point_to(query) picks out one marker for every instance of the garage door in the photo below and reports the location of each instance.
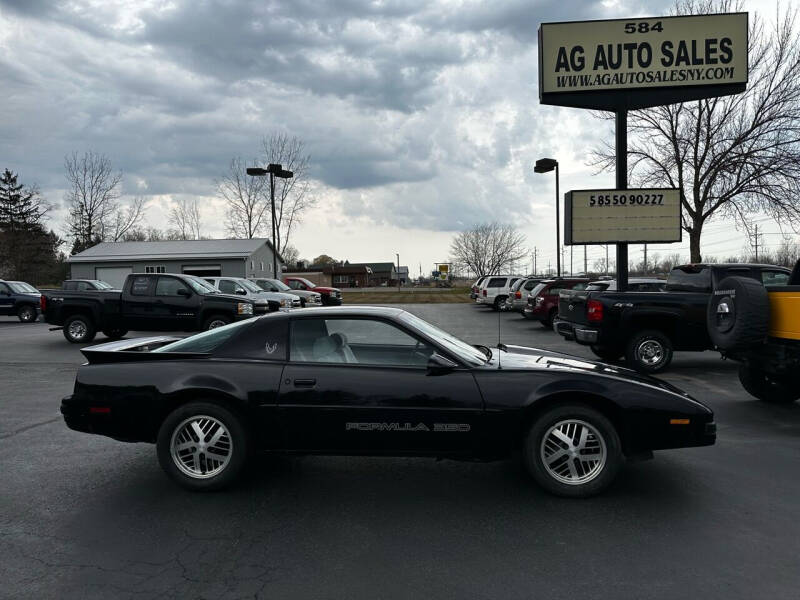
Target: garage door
(113, 275)
(203, 270)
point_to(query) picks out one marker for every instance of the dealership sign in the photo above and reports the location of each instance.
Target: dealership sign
(630, 216)
(635, 63)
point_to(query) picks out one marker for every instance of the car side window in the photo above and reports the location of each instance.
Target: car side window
(357, 342)
(169, 286)
(4, 288)
(83, 286)
(141, 286)
(774, 278)
(69, 286)
(496, 282)
(553, 291)
(226, 286)
(530, 285)
(579, 286)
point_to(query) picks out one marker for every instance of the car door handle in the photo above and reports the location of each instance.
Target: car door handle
(305, 382)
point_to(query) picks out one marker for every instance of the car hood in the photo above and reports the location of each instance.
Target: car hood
(234, 297)
(325, 290)
(278, 296)
(536, 359)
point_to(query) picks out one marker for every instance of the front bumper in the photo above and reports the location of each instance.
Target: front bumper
(328, 300)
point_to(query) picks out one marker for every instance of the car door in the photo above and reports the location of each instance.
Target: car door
(138, 310)
(362, 385)
(6, 299)
(175, 305)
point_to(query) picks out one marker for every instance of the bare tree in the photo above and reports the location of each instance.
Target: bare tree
(731, 156)
(247, 207)
(488, 249)
(290, 255)
(92, 193)
(185, 217)
(292, 197)
(124, 220)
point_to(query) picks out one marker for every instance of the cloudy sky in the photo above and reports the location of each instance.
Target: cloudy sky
(421, 117)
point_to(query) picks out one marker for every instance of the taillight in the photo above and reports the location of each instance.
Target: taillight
(517, 295)
(484, 292)
(594, 311)
(42, 302)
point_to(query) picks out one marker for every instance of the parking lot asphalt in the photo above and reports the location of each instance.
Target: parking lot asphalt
(83, 516)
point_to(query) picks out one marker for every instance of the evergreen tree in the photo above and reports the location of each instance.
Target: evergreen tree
(20, 207)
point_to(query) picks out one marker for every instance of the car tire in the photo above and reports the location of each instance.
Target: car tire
(187, 462)
(649, 352)
(566, 475)
(498, 302)
(302, 302)
(27, 313)
(607, 353)
(114, 334)
(737, 317)
(215, 321)
(79, 329)
(759, 385)
(551, 316)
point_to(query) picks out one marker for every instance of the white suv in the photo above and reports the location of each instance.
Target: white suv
(495, 289)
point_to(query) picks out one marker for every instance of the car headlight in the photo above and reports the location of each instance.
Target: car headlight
(283, 302)
(244, 308)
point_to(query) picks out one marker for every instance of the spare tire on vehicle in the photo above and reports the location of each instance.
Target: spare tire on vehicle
(738, 314)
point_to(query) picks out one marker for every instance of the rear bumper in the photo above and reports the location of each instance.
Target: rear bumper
(99, 418)
(578, 333)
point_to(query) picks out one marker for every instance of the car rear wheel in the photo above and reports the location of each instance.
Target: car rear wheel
(498, 302)
(215, 321)
(114, 334)
(27, 314)
(573, 451)
(79, 329)
(551, 316)
(649, 352)
(769, 389)
(202, 446)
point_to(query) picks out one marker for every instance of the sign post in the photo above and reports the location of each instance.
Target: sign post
(627, 64)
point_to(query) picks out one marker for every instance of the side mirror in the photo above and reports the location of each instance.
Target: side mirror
(183, 292)
(438, 363)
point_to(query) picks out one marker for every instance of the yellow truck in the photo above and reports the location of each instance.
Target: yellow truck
(758, 324)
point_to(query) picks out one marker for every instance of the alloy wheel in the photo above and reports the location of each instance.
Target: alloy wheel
(27, 314)
(201, 447)
(216, 323)
(573, 452)
(77, 330)
(650, 352)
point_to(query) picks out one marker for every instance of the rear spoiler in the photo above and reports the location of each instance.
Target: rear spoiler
(135, 350)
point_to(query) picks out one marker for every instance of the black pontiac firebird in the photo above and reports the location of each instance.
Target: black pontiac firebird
(374, 381)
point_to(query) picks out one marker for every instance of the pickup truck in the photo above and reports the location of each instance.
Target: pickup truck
(147, 302)
(20, 299)
(646, 327)
(759, 326)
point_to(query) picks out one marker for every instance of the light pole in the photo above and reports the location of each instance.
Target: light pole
(545, 165)
(274, 170)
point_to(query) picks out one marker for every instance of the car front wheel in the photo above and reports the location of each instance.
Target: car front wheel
(202, 446)
(215, 321)
(573, 451)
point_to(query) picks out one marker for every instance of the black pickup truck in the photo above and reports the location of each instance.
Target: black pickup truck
(646, 327)
(147, 302)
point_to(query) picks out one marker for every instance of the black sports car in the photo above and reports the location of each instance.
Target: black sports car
(374, 381)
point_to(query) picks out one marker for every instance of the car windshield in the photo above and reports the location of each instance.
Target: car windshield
(306, 282)
(280, 285)
(597, 286)
(200, 286)
(249, 286)
(469, 354)
(21, 287)
(204, 342)
(102, 285)
(537, 290)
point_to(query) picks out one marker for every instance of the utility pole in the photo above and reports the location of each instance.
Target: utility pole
(755, 236)
(535, 251)
(645, 259)
(563, 250)
(585, 263)
(548, 267)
